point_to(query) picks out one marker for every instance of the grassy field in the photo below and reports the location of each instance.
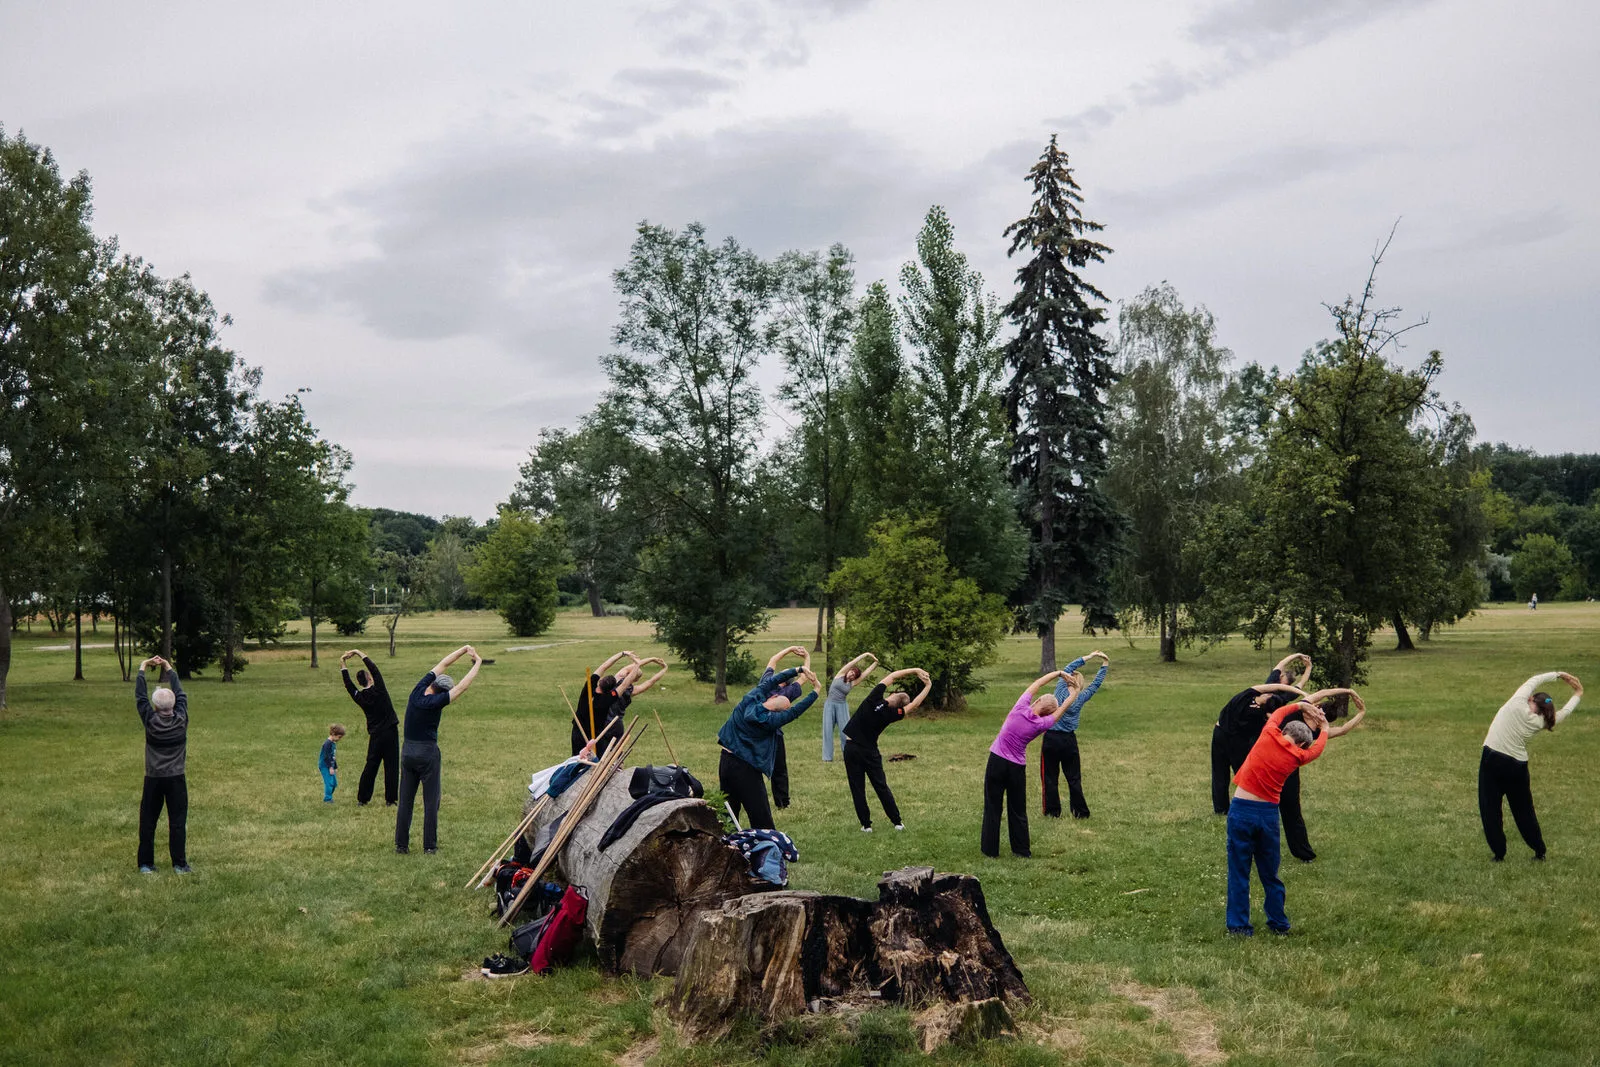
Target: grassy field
(303, 938)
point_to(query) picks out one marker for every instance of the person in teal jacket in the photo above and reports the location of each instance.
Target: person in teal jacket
(1059, 752)
(749, 743)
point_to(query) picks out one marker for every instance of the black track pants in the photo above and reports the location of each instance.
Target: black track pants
(863, 764)
(1503, 777)
(746, 790)
(1005, 784)
(1059, 756)
(383, 748)
(780, 773)
(173, 791)
(419, 767)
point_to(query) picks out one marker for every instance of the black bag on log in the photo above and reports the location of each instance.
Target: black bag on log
(666, 781)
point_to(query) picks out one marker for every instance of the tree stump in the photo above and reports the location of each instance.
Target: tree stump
(649, 883)
(927, 939)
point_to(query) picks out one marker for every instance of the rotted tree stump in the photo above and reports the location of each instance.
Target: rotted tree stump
(927, 939)
(647, 886)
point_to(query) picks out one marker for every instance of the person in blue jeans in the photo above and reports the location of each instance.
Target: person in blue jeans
(1059, 751)
(836, 709)
(328, 762)
(1282, 749)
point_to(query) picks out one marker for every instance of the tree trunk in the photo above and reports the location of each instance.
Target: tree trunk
(77, 639)
(648, 885)
(116, 640)
(5, 641)
(1169, 633)
(822, 611)
(166, 604)
(1047, 649)
(1425, 631)
(834, 659)
(926, 939)
(720, 693)
(392, 622)
(313, 624)
(596, 607)
(227, 646)
(1402, 635)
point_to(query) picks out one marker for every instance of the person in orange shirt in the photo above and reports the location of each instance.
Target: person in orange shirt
(1281, 750)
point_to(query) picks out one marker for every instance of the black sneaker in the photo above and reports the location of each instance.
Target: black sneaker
(145, 868)
(502, 966)
(182, 868)
(402, 850)
(430, 851)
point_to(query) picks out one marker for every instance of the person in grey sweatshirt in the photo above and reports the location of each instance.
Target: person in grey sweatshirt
(165, 715)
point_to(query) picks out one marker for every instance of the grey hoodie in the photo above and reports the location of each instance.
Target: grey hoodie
(165, 736)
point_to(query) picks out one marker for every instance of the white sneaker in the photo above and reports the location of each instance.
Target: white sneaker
(866, 829)
(899, 826)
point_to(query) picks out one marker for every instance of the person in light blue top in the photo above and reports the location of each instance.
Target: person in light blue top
(1060, 748)
(836, 710)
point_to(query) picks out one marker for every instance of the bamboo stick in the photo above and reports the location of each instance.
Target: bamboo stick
(498, 853)
(663, 729)
(598, 778)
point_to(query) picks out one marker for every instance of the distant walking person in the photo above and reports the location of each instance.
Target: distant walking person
(328, 762)
(1282, 749)
(1059, 750)
(419, 755)
(748, 740)
(165, 715)
(383, 727)
(835, 709)
(1503, 768)
(1005, 779)
(862, 760)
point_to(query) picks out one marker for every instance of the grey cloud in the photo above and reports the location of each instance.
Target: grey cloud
(771, 32)
(1247, 176)
(1505, 231)
(674, 88)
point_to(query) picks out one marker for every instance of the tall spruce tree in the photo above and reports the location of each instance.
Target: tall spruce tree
(1057, 405)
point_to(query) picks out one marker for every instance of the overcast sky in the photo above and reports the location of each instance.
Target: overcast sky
(414, 209)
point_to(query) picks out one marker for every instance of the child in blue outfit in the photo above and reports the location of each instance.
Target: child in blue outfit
(328, 762)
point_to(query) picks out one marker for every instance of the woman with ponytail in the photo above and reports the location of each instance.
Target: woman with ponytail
(1503, 770)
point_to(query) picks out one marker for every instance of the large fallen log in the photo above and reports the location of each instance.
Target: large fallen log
(927, 939)
(648, 884)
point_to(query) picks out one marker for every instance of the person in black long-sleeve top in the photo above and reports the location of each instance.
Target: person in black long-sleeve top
(165, 715)
(419, 755)
(862, 760)
(383, 727)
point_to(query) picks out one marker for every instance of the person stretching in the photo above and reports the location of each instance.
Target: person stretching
(748, 740)
(862, 760)
(1005, 779)
(835, 710)
(780, 752)
(1281, 749)
(623, 689)
(1059, 750)
(383, 727)
(1235, 733)
(419, 756)
(1503, 768)
(594, 702)
(165, 715)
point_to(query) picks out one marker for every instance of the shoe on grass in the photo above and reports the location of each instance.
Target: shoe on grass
(899, 826)
(866, 829)
(502, 966)
(430, 851)
(182, 868)
(402, 850)
(145, 868)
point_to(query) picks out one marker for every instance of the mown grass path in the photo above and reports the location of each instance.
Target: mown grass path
(303, 938)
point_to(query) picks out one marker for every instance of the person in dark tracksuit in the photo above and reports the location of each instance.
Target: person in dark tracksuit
(1235, 734)
(862, 760)
(1059, 749)
(748, 742)
(593, 711)
(1503, 768)
(419, 755)
(165, 715)
(383, 727)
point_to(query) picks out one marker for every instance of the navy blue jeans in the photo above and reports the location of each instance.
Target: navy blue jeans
(1253, 836)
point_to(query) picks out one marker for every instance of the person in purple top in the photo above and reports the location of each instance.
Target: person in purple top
(1005, 780)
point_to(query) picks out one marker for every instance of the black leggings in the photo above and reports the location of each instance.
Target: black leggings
(172, 790)
(780, 773)
(1059, 756)
(1228, 752)
(1005, 784)
(419, 766)
(383, 748)
(746, 790)
(1504, 777)
(864, 764)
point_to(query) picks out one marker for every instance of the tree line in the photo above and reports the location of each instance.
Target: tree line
(934, 468)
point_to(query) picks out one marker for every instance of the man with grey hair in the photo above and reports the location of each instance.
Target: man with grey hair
(165, 715)
(419, 755)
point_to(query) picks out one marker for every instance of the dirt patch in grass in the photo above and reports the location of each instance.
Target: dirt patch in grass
(512, 1038)
(639, 1054)
(1194, 1029)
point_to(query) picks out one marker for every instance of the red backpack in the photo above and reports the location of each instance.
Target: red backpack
(561, 932)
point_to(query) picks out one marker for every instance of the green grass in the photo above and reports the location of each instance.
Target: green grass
(304, 939)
